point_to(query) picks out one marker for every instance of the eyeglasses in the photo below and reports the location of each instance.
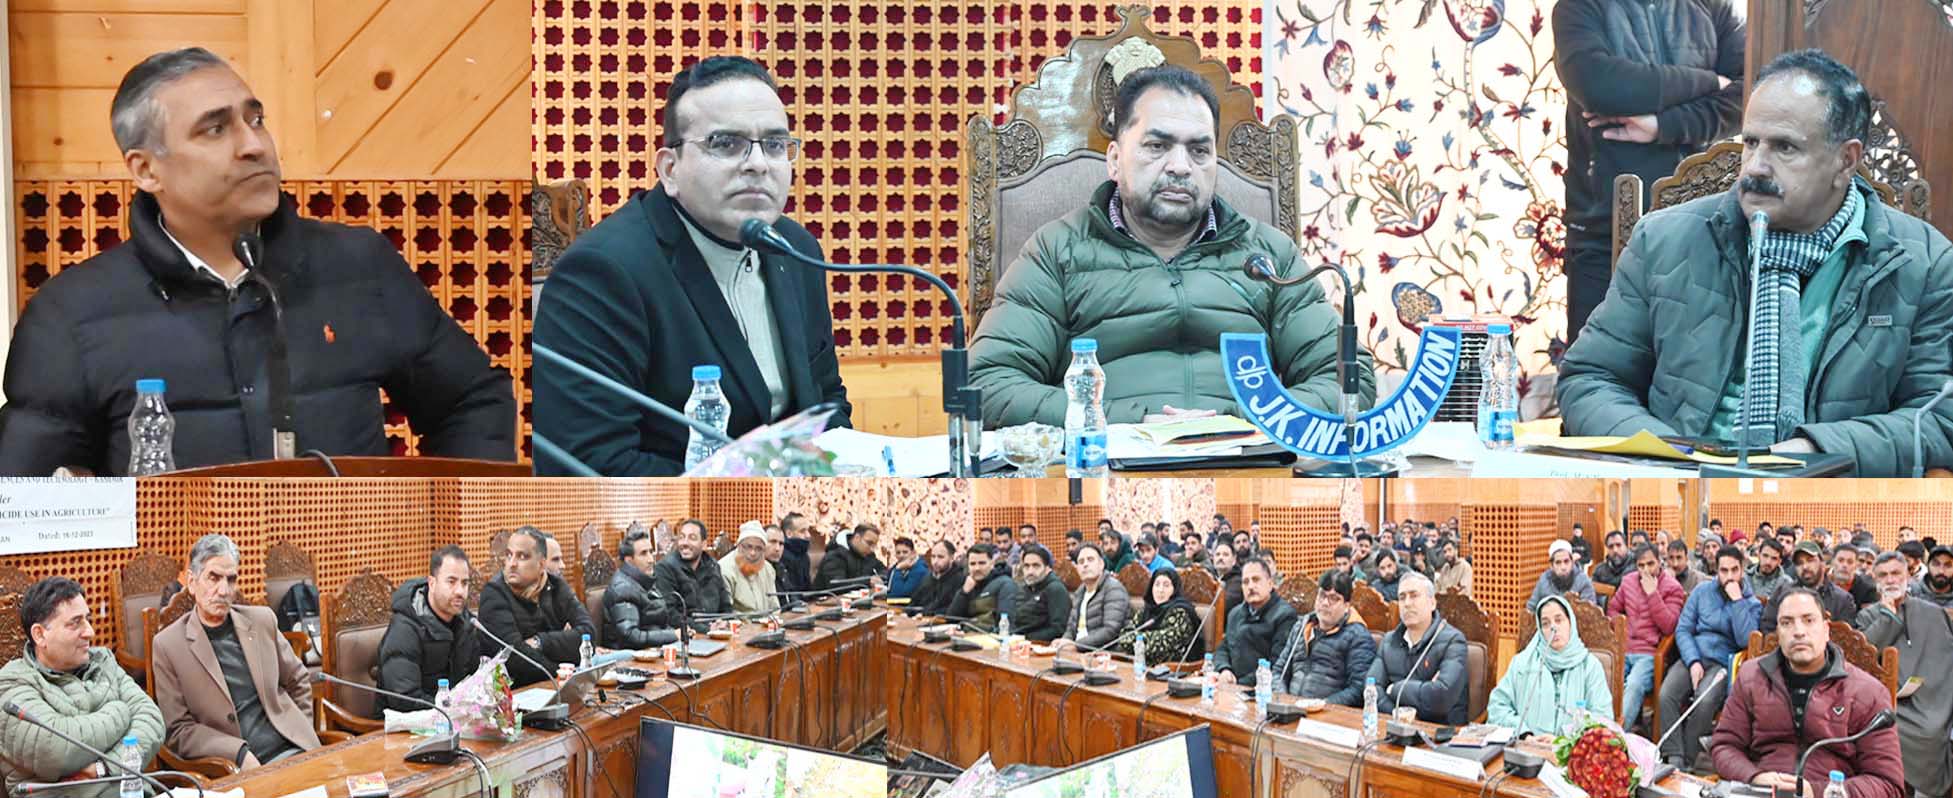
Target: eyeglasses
(735, 147)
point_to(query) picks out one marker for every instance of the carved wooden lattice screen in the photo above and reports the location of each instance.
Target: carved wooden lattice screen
(466, 239)
(880, 91)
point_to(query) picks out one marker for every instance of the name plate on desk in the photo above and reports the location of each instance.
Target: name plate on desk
(1330, 733)
(1447, 764)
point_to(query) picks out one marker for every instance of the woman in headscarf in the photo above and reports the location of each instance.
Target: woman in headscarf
(1554, 673)
(1117, 551)
(1169, 620)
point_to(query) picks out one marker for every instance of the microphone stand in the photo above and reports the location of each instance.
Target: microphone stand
(1747, 418)
(109, 762)
(437, 751)
(249, 248)
(37, 787)
(1348, 374)
(1883, 720)
(553, 717)
(1662, 770)
(684, 669)
(962, 402)
(709, 432)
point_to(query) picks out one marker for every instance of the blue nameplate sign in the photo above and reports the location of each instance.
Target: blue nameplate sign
(1313, 433)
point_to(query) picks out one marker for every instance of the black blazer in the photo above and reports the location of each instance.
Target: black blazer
(633, 299)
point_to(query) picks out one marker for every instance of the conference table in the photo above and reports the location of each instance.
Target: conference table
(822, 691)
(957, 706)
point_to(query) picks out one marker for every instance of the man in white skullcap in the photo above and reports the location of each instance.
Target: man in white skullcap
(749, 577)
(1562, 577)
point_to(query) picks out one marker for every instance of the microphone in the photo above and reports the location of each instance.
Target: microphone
(112, 763)
(249, 249)
(437, 751)
(1701, 692)
(1751, 401)
(1184, 688)
(660, 409)
(1261, 268)
(1918, 461)
(1883, 720)
(684, 669)
(1062, 666)
(553, 717)
(961, 400)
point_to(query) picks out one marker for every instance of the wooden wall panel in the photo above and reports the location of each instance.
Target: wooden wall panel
(367, 89)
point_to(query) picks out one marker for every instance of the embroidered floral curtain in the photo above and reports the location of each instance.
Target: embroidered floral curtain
(1432, 160)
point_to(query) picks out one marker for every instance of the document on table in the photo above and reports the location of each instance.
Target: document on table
(926, 456)
(533, 698)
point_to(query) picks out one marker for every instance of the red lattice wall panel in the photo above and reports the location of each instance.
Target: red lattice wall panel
(1508, 553)
(466, 239)
(880, 91)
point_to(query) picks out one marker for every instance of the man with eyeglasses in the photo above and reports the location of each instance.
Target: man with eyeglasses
(663, 284)
(1152, 270)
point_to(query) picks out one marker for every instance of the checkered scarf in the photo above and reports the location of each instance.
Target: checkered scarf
(1781, 366)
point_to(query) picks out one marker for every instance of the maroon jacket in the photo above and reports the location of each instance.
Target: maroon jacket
(1650, 618)
(1755, 734)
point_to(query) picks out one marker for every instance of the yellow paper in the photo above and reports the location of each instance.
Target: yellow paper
(1648, 444)
(1165, 432)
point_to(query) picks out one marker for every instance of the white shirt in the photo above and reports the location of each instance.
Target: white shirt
(198, 263)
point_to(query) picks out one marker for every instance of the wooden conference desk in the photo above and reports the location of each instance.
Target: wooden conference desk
(842, 707)
(956, 706)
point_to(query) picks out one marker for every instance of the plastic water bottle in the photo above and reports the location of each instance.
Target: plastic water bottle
(586, 654)
(1579, 719)
(1498, 398)
(131, 756)
(1207, 678)
(1835, 789)
(706, 405)
(152, 431)
(1139, 656)
(1084, 415)
(1264, 688)
(441, 700)
(1003, 635)
(1369, 710)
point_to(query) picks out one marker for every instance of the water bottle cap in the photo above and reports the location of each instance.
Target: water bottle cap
(586, 638)
(151, 385)
(442, 683)
(1498, 329)
(1368, 680)
(1837, 776)
(131, 740)
(1082, 345)
(705, 373)
(1263, 663)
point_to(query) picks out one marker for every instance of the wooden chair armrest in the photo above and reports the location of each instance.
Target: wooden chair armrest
(131, 664)
(338, 719)
(209, 767)
(183, 779)
(331, 737)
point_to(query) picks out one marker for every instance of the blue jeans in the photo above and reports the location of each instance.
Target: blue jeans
(1640, 679)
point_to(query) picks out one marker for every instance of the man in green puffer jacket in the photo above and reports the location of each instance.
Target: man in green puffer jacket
(1152, 269)
(61, 681)
(1664, 352)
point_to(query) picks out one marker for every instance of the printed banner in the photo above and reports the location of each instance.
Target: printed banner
(66, 514)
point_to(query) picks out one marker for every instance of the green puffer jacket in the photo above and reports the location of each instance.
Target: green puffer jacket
(98, 707)
(1158, 324)
(1659, 349)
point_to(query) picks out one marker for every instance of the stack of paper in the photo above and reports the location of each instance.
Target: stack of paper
(912, 457)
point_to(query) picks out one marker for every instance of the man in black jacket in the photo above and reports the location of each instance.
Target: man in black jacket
(1042, 603)
(1328, 655)
(534, 610)
(850, 561)
(1811, 574)
(691, 577)
(635, 616)
(664, 284)
(1647, 84)
(1424, 662)
(986, 590)
(793, 571)
(940, 585)
(429, 637)
(177, 302)
(1617, 564)
(1255, 629)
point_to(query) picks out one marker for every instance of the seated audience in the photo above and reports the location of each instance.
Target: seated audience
(1256, 628)
(1923, 633)
(1811, 574)
(1227, 568)
(1715, 625)
(1617, 563)
(906, 575)
(1562, 577)
(636, 615)
(1193, 553)
(1423, 662)
(1386, 576)
(1682, 567)
(535, 610)
(1767, 576)
(850, 561)
(941, 583)
(260, 710)
(1073, 539)
(1449, 572)
(64, 681)
(1847, 562)
(1099, 606)
(1328, 655)
(987, 589)
(691, 579)
(552, 555)
(1118, 552)
(429, 637)
(1858, 290)
(1167, 620)
(1149, 555)
(749, 577)
(1345, 563)
(1652, 601)
(795, 572)
(1760, 734)
(1551, 677)
(1042, 605)
(1937, 585)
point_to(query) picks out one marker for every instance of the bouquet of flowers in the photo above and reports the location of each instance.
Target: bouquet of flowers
(483, 705)
(782, 449)
(1604, 760)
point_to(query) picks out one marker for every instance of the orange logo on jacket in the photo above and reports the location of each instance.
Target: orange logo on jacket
(328, 334)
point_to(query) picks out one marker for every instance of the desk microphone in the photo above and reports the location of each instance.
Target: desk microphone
(1701, 692)
(550, 718)
(1062, 666)
(1261, 268)
(440, 750)
(111, 763)
(249, 249)
(1883, 720)
(553, 357)
(1185, 688)
(1751, 401)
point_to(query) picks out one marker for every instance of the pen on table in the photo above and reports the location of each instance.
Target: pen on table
(888, 459)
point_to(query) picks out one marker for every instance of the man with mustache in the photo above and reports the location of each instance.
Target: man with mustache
(663, 284)
(1937, 586)
(316, 324)
(749, 577)
(1152, 269)
(1923, 633)
(1617, 564)
(1808, 560)
(1859, 299)
(1768, 575)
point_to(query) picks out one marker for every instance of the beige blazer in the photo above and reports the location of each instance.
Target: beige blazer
(196, 701)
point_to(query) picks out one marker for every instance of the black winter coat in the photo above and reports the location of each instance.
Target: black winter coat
(556, 618)
(701, 587)
(355, 318)
(840, 564)
(936, 593)
(634, 615)
(1254, 635)
(1040, 610)
(792, 574)
(419, 649)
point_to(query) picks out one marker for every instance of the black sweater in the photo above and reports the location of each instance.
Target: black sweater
(556, 618)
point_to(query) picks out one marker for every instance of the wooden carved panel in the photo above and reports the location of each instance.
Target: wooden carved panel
(1297, 780)
(1376, 613)
(1231, 767)
(1134, 578)
(13, 639)
(1052, 735)
(1477, 623)
(598, 567)
(1103, 729)
(1299, 591)
(286, 560)
(146, 574)
(972, 712)
(554, 783)
(1005, 731)
(1068, 573)
(365, 601)
(16, 581)
(1199, 584)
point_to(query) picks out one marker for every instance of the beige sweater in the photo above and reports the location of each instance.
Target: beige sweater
(749, 594)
